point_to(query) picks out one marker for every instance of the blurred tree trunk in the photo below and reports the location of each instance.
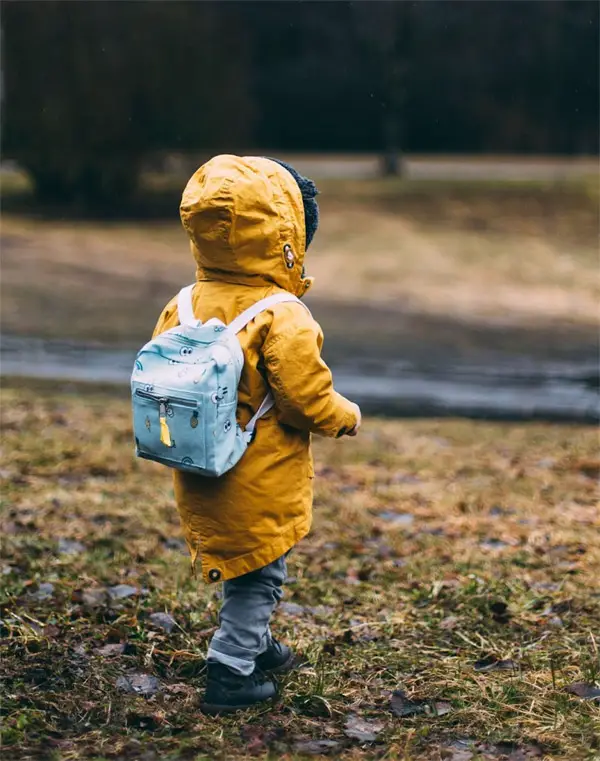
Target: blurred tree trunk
(91, 88)
(384, 34)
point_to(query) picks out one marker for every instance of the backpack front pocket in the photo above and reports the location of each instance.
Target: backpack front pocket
(170, 429)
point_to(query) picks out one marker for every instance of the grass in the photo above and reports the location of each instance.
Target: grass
(495, 252)
(495, 555)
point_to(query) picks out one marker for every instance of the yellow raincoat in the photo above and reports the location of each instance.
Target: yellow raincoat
(245, 220)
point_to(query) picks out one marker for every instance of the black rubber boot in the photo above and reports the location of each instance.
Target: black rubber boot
(227, 691)
(277, 659)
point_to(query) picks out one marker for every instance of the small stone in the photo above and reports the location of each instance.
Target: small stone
(70, 547)
(397, 519)
(95, 597)
(584, 691)
(43, 592)
(121, 591)
(163, 621)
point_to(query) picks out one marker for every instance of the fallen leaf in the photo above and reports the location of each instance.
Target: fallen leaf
(457, 754)
(92, 598)
(510, 752)
(43, 592)
(362, 730)
(112, 649)
(584, 691)
(525, 753)
(437, 709)
(291, 608)
(405, 478)
(139, 684)
(590, 469)
(163, 621)
(498, 608)
(564, 606)
(321, 611)
(149, 723)
(491, 663)
(450, 622)
(403, 706)
(181, 689)
(258, 739)
(121, 591)
(317, 747)
(174, 543)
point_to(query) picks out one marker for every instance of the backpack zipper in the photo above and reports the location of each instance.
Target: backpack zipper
(163, 401)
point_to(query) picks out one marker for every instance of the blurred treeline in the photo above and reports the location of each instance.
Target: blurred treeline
(91, 88)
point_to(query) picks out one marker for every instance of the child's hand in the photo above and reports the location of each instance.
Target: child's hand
(354, 431)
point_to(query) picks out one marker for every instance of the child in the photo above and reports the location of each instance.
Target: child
(250, 221)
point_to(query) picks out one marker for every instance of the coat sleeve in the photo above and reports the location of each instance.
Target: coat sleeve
(168, 318)
(300, 380)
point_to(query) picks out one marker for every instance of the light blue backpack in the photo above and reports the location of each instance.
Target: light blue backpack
(184, 392)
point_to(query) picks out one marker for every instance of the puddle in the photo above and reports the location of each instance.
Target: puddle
(509, 388)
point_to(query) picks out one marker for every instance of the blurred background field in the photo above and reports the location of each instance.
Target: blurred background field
(454, 144)
(505, 252)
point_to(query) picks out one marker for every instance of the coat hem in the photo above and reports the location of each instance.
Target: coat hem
(218, 570)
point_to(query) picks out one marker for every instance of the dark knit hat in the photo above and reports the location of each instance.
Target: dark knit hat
(311, 207)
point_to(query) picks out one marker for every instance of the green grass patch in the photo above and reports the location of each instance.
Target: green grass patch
(451, 561)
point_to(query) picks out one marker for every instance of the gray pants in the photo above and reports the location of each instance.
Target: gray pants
(248, 603)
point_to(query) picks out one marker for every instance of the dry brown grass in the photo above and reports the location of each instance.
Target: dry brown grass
(497, 555)
(520, 253)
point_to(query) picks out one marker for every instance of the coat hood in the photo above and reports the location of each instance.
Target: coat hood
(245, 220)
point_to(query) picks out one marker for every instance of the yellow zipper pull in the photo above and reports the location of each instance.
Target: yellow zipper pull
(165, 434)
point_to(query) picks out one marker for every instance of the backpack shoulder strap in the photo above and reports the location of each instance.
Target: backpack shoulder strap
(240, 323)
(249, 314)
(185, 308)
